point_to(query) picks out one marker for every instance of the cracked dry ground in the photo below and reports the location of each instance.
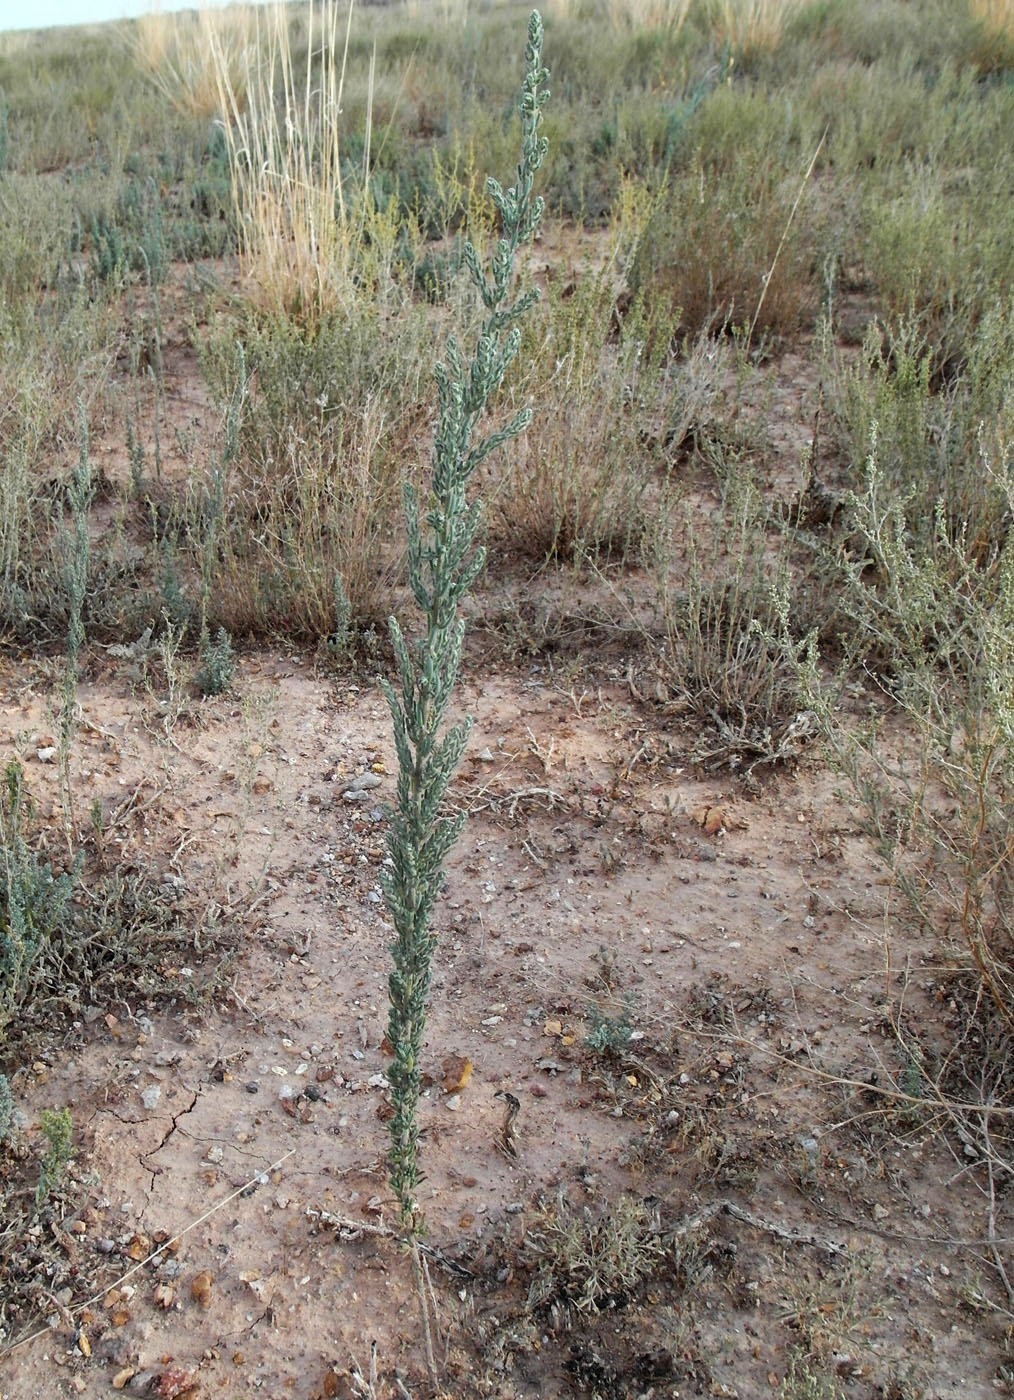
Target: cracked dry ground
(598, 876)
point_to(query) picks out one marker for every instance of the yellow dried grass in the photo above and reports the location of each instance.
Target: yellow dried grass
(753, 27)
(996, 16)
(174, 51)
(302, 234)
(648, 14)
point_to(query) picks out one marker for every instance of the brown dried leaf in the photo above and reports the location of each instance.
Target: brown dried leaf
(715, 819)
(139, 1248)
(200, 1288)
(457, 1071)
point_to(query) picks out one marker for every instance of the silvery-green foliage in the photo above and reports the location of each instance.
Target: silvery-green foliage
(218, 665)
(6, 1108)
(33, 900)
(443, 562)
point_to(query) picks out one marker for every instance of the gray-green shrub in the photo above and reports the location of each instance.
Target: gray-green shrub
(443, 563)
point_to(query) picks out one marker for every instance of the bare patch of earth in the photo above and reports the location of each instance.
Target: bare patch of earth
(685, 988)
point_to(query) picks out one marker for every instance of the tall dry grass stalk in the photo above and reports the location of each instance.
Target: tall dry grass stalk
(301, 231)
(175, 52)
(648, 14)
(450, 11)
(753, 27)
(996, 16)
(625, 14)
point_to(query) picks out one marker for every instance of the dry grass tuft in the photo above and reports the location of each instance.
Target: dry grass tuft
(993, 48)
(449, 11)
(753, 27)
(648, 14)
(626, 14)
(996, 16)
(180, 54)
(324, 515)
(307, 242)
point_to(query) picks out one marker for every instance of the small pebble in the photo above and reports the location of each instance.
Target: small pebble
(363, 784)
(252, 1087)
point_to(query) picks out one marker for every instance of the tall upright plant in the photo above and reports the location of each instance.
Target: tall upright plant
(79, 495)
(309, 236)
(443, 562)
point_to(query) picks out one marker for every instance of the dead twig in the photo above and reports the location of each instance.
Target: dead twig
(524, 794)
(506, 1140)
(351, 1230)
(713, 1209)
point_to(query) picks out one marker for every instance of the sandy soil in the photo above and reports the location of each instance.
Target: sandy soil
(742, 935)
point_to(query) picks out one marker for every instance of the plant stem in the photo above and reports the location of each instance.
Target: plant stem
(79, 495)
(442, 566)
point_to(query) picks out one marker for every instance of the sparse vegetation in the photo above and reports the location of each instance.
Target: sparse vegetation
(218, 665)
(766, 498)
(592, 1262)
(58, 1129)
(609, 1034)
(33, 899)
